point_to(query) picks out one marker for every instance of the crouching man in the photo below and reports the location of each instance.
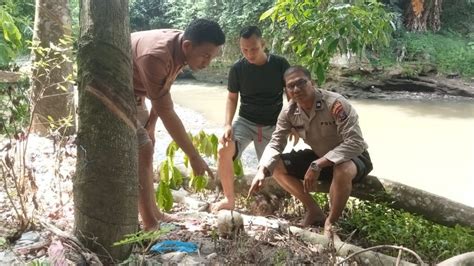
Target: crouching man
(329, 125)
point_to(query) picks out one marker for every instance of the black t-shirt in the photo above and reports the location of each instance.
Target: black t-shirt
(260, 88)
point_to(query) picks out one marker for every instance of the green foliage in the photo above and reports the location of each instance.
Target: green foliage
(14, 108)
(231, 15)
(238, 168)
(238, 14)
(147, 15)
(39, 262)
(445, 52)
(280, 257)
(142, 237)
(171, 177)
(316, 30)
(15, 26)
(449, 53)
(378, 224)
(458, 16)
(198, 182)
(74, 11)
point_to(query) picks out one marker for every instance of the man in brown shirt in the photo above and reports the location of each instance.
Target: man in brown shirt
(329, 125)
(158, 56)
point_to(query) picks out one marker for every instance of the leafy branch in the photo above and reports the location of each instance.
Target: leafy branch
(171, 177)
(317, 30)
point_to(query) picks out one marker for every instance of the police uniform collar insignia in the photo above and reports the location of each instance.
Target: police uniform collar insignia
(297, 110)
(319, 105)
(318, 100)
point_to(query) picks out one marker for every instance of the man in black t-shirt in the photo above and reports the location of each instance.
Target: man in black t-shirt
(258, 78)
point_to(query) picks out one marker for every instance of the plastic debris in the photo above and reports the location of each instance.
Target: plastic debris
(174, 245)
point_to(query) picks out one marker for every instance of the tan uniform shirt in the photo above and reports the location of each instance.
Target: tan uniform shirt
(331, 130)
(157, 59)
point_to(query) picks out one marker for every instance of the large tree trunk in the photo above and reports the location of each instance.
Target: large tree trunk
(422, 15)
(106, 182)
(52, 93)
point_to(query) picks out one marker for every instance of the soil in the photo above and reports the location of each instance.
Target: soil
(48, 235)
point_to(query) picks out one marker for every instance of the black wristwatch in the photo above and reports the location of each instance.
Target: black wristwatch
(315, 167)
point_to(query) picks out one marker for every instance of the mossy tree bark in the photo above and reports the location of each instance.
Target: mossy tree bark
(52, 93)
(106, 182)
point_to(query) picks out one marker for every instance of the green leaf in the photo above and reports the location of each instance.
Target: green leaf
(164, 172)
(238, 168)
(215, 143)
(186, 160)
(199, 182)
(164, 198)
(143, 236)
(267, 13)
(171, 149)
(333, 46)
(177, 177)
(320, 73)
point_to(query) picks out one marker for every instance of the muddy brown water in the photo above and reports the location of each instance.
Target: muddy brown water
(424, 144)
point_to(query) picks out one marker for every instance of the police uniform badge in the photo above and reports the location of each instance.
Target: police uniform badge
(338, 111)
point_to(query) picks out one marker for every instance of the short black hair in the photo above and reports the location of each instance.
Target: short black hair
(247, 32)
(203, 30)
(297, 68)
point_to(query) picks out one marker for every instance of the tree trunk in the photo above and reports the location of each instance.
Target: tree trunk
(421, 15)
(52, 94)
(106, 181)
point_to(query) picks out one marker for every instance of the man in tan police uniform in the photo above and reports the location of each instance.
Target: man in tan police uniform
(329, 125)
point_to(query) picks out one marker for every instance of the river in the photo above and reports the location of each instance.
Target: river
(424, 144)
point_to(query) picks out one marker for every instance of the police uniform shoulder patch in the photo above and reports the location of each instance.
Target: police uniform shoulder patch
(338, 111)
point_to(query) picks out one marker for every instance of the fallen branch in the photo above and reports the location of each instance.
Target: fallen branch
(87, 256)
(368, 257)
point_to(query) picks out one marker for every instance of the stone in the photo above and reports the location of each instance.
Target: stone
(174, 257)
(229, 223)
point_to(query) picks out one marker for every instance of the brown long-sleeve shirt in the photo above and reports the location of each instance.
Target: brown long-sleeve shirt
(331, 130)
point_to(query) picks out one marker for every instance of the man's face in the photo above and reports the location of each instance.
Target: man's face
(199, 56)
(298, 86)
(253, 49)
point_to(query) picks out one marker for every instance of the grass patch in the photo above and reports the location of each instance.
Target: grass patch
(378, 224)
(447, 52)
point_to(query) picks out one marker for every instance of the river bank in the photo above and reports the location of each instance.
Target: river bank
(367, 82)
(423, 143)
